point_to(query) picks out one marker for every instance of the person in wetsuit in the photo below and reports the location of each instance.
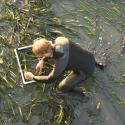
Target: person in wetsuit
(68, 56)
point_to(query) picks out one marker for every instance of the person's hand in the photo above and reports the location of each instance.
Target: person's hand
(28, 76)
(39, 65)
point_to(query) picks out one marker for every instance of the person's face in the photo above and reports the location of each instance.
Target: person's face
(47, 54)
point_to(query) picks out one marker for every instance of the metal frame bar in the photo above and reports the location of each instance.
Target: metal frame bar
(18, 61)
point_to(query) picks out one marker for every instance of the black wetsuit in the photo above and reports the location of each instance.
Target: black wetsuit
(80, 60)
(81, 63)
(70, 56)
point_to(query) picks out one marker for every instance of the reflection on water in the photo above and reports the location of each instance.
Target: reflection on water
(98, 26)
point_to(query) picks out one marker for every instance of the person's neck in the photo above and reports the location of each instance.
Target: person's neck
(53, 45)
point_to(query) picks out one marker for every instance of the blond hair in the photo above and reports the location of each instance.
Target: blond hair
(40, 46)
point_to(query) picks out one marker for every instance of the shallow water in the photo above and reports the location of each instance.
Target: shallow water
(107, 88)
(97, 31)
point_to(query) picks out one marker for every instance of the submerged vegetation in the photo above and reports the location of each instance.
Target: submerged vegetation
(22, 21)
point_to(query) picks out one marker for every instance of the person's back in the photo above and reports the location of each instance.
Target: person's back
(80, 59)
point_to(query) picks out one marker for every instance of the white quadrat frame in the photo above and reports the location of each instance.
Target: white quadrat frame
(19, 64)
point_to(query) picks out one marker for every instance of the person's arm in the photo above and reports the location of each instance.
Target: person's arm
(40, 64)
(54, 74)
(45, 79)
(41, 77)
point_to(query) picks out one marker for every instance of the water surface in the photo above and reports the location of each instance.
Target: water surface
(99, 27)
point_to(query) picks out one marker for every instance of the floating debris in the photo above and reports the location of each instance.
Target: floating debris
(56, 32)
(122, 50)
(1, 61)
(109, 43)
(123, 75)
(100, 65)
(100, 38)
(98, 106)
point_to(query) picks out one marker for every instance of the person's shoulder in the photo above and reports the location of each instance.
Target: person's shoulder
(61, 40)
